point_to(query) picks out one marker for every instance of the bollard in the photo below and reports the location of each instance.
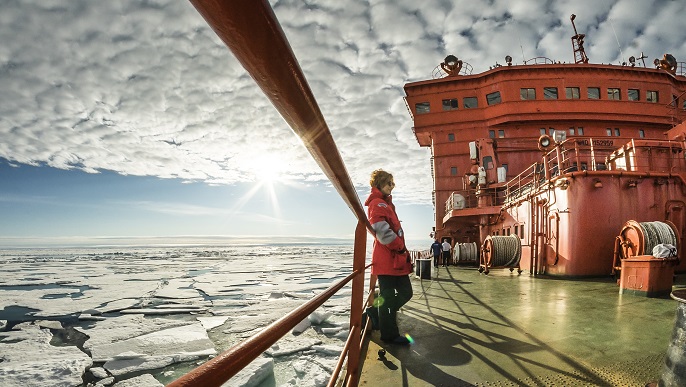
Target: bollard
(674, 369)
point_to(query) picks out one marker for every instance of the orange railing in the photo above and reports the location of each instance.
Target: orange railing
(250, 29)
(585, 154)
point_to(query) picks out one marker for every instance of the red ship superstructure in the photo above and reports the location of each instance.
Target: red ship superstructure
(559, 156)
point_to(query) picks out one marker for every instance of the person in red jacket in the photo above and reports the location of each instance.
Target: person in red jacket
(390, 259)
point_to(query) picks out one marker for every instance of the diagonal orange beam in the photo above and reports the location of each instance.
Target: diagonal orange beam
(250, 29)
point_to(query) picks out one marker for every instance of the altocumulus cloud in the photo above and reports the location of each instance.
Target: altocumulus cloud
(146, 88)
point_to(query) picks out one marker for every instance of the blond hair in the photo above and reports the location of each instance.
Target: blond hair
(379, 178)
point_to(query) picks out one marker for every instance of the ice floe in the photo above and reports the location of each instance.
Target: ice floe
(28, 359)
(146, 310)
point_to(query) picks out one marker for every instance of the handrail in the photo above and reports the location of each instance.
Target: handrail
(252, 32)
(217, 371)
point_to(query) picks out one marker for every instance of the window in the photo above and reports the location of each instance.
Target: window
(551, 132)
(580, 131)
(613, 93)
(675, 101)
(634, 95)
(470, 102)
(527, 94)
(450, 104)
(593, 93)
(608, 131)
(422, 107)
(571, 131)
(550, 92)
(487, 162)
(542, 131)
(501, 133)
(684, 105)
(516, 229)
(572, 92)
(491, 133)
(505, 166)
(453, 171)
(641, 133)
(617, 132)
(493, 98)
(451, 136)
(651, 96)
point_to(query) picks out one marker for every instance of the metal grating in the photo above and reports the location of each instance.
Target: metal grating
(637, 372)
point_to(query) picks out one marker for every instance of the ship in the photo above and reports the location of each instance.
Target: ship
(568, 173)
(543, 164)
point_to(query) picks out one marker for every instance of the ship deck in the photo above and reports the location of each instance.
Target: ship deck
(504, 329)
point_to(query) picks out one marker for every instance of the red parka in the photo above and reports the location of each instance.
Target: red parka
(390, 240)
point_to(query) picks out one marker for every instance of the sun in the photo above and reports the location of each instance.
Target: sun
(266, 169)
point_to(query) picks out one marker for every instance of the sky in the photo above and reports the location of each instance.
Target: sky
(130, 122)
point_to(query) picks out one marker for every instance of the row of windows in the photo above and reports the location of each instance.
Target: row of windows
(572, 131)
(548, 93)
(518, 231)
(488, 163)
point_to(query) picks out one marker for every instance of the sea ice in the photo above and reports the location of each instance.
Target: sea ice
(28, 359)
(291, 344)
(252, 375)
(154, 350)
(243, 292)
(146, 380)
(212, 322)
(125, 327)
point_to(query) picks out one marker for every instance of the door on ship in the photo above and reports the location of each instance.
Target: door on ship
(676, 213)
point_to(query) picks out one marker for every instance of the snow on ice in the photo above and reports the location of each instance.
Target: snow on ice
(156, 313)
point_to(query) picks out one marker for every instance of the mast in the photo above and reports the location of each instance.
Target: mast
(578, 44)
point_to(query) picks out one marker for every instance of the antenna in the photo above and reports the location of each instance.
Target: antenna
(643, 58)
(617, 39)
(521, 47)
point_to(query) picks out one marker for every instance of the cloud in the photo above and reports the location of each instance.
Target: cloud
(147, 88)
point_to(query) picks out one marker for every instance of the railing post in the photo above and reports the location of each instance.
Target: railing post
(356, 302)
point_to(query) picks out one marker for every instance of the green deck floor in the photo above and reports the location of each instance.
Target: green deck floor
(505, 329)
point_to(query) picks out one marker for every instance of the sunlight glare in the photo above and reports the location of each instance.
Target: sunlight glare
(267, 169)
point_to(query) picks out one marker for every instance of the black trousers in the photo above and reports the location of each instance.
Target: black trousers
(394, 292)
(446, 258)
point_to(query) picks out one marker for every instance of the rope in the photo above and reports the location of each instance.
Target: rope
(656, 233)
(466, 252)
(507, 250)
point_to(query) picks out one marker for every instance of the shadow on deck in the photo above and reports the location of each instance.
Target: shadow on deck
(502, 329)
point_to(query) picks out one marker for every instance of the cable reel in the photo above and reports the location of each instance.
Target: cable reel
(465, 252)
(501, 251)
(640, 238)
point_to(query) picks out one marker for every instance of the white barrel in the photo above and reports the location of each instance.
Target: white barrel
(502, 174)
(459, 201)
(482, 176)
(472, 151)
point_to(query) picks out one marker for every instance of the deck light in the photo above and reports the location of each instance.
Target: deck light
(508, 59)
(544, 142)
(597, 183)
(560, 136)
(450, 60)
